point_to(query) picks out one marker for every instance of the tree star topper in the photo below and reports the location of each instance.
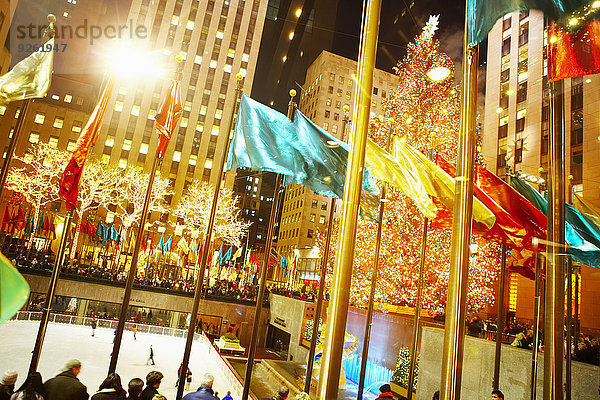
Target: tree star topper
(432, 24)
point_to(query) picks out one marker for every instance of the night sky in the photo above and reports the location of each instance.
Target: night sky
(400, 23)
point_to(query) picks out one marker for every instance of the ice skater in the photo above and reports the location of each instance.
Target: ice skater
(151, 357)
(134, 330)
(94, 325)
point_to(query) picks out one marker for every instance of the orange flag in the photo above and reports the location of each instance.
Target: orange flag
(167, 116)
(69, 182)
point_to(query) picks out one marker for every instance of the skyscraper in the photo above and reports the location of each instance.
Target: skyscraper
(515, 133)
(329, 87)
(217, 40)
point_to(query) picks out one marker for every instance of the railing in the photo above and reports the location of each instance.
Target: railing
(103, 323)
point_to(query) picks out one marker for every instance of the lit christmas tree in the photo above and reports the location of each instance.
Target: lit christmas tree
(426, 113)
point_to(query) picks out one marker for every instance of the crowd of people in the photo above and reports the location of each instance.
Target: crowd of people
(67, 386)
(522, 335)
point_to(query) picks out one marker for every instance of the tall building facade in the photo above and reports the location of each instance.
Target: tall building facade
(330, 86)
(217, 39)
(515, 134)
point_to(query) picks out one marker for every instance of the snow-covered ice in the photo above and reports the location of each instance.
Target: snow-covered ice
(64, 342)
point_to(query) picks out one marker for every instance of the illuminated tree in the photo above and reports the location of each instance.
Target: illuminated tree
(194, 208)
(38, 179)
(426, 114)
(130, 194)
(96, 189)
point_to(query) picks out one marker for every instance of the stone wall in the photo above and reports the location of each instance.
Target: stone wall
(478, 370)
(287, 314)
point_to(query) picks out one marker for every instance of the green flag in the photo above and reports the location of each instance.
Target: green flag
(30, 78)
(14, 289)
(483, 14)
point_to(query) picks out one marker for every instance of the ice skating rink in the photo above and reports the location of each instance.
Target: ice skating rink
(64, 342)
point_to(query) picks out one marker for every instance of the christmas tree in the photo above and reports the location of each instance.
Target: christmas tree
(426, 114)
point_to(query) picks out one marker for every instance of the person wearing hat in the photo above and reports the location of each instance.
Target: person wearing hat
(385, 392)
(282, 393)
(7, 384)
(66, 386)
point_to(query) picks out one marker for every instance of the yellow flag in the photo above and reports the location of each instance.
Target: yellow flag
(418, 178)
(30, 78)
(238, 253)
(587, 208)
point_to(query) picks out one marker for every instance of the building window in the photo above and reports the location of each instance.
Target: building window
(68, 98)
(208, 164)
(505, 75)
(39, 118)
(135, 110)
(506, 46)
(315, 203)
(71, 145)
(321, 219)
(523, 34)
(309, 234)
(506, 23)
(118, 106)
(34, 137)
(326, 126)
(127, 145)
(58, 122)
(110, 141)
(53, 141)
(144, 148)
(577, 166)
(177, 156)
(519, 151)
(327, 113)
(522, 92)
(76, 126)
(3, 109)
(324, 206)
(105, 159)
(577, 127)
(122, 163)
(313, 217)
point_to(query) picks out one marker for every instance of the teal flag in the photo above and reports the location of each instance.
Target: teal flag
(266, 140)
(28, 223)
(167, 245)
(284, 266)
(483, 14)
(161, 244)
(583, 241)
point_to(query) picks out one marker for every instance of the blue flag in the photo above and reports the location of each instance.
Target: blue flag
(583, 242)
(161, 244)
(266, 140)
(284, 266)
(114, 235)
(220, 257)
(167, 246)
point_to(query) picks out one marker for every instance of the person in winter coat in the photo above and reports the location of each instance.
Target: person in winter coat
(110, 389)
(7, 384)
(385, 392)
(94, 325)
(134, 388)
(31, 389)
(205, 391)
(153, 380)
(66, 386)
(282, 393)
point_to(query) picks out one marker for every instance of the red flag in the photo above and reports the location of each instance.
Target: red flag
(46, 227)
(52, 230)
(573, 54)
(167, 116)
(69, 183)
(20, 223)
(506, 229)
(6, 220)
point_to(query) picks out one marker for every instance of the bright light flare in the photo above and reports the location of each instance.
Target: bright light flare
(132, 62)
(438, 73)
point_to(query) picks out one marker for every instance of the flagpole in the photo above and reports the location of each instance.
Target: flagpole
(319, 305)
(536, 327)
(352, 190)
(114, 356)
(60, 254)
(555, 264)
(453, 349)
(500, 319)
(375, 270)
(263, 272)
(417, 319)
(569, 320)
(207, 240)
